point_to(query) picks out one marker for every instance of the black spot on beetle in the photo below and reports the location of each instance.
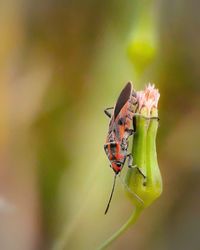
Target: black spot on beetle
(118, 164)
(121, 121)
(112, 145)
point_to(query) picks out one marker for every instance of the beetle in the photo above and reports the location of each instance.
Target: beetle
(120, 129)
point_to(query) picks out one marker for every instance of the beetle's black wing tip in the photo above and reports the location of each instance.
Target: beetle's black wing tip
(129, 85)
(123, 98)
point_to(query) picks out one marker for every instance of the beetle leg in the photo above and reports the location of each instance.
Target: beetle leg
(107, 112)
(130, 162)
(129, 190)
(130, 131)
(146, 117)
(140, 172)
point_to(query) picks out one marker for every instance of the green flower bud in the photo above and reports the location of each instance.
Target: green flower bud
(142, 48)
(144, 179)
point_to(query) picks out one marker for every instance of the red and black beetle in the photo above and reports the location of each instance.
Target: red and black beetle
(120, 128)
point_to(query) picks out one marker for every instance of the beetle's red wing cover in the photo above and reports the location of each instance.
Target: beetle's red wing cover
(123, 98)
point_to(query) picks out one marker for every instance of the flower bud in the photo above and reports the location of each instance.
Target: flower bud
(144, 178)
(143, 45)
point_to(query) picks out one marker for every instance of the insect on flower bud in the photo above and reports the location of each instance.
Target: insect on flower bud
(143, 181)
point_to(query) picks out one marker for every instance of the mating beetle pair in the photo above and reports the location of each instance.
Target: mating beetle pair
(122, 126)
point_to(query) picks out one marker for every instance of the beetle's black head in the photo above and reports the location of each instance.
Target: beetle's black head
(116, 166)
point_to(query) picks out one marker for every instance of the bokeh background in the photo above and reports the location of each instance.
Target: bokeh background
(61, 64)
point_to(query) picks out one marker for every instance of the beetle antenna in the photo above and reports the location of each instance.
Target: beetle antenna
(111, 194)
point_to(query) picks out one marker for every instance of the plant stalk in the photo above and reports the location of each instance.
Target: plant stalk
(130, 221)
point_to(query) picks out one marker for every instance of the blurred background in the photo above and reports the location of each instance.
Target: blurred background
(61, 64)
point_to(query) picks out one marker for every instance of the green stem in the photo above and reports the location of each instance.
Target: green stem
(123, 228)
(154, 177)
(134, 179)
(139, 142)
(151, 151)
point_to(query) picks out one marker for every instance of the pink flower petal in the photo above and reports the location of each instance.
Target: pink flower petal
(148, 98)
